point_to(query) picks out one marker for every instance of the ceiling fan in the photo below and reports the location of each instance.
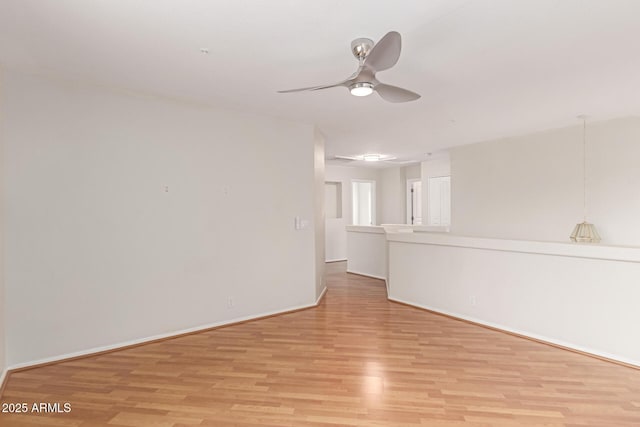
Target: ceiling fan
(372, 58)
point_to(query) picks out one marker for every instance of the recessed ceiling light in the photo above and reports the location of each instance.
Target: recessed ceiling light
(371, 157)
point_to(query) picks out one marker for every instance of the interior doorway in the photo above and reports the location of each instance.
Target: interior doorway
(363, 193)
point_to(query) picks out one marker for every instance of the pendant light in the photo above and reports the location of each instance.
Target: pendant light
(584, 232)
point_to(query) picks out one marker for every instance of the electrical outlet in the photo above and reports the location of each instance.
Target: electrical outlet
(473, 300)
(229, 302)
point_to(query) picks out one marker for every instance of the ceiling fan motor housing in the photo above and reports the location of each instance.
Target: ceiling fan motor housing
(361, 48)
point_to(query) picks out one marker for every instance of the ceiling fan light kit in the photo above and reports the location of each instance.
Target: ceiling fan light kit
(371, 59)
(361, 89)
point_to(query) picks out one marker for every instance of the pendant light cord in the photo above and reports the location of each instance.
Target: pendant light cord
(584, 169)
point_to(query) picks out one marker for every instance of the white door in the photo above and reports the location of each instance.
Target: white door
(414, 201)
(439, 202)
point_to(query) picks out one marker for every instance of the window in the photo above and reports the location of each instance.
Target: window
(364, 198)
(414, 201)
(439, 202)
(333, 199)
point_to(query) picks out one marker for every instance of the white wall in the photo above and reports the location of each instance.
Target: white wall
(392, 189)
(530, 187)
(3, 360)
(319, 209)
(335, 232)
(393, 205)
(97, 253)
(438, 165)
(412, 172)
(554, 294)
(367, 251)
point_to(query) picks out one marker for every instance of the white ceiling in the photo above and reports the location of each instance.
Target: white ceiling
(485, 68)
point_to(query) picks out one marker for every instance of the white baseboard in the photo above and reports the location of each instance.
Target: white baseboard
(3, 377)
(373, 276)
(324, 291)
(125, 344)
(560, 343)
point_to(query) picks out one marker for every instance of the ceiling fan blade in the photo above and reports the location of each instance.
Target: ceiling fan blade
(385, 53)
(395, 94)
(313, 87)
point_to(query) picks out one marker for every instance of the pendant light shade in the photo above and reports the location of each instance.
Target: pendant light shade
(584, 232)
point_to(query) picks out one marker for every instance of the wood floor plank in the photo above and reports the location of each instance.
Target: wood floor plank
(356, 360)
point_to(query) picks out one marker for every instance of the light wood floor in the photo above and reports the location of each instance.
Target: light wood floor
(357, 360)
